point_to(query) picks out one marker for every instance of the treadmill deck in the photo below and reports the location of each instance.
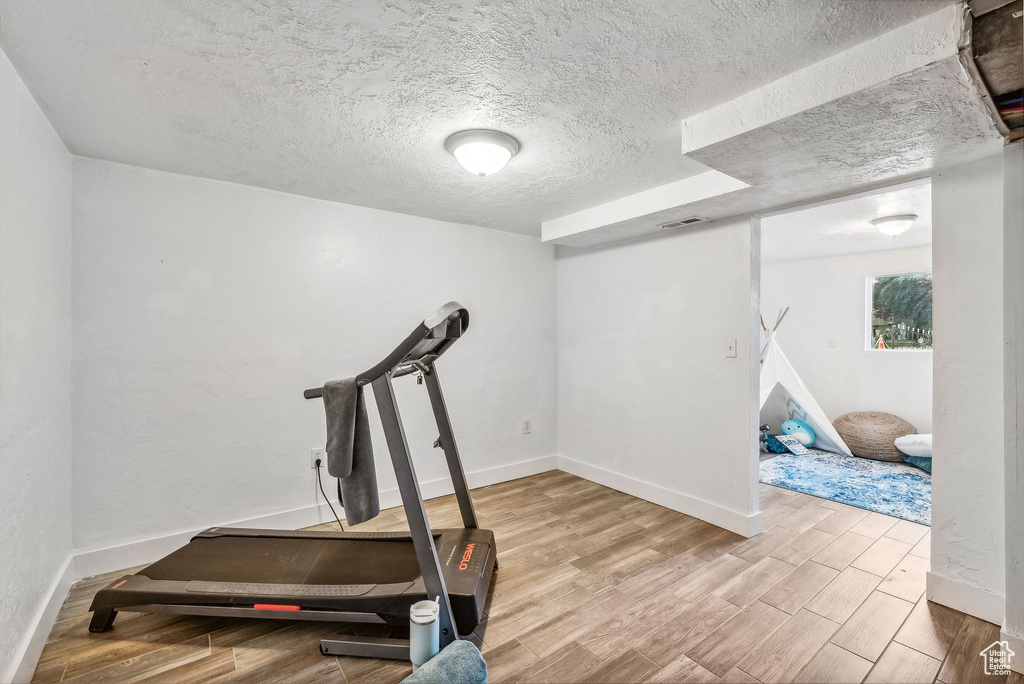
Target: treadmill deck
(308, 575)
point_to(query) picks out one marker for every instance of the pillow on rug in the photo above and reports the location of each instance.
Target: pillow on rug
(774, 446)
(915, 445)
(918, 450)
(921, 462)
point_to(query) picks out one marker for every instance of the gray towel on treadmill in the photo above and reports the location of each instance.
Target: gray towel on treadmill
(350, 451)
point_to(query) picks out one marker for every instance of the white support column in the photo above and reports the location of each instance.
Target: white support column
(968, 554)
(1013, 387)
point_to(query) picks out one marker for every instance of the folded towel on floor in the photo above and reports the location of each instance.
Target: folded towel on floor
(349, 449)
(458, 663)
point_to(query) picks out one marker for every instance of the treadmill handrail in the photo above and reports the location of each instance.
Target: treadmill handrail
(418, 352)
(348, 535)
(419, 349)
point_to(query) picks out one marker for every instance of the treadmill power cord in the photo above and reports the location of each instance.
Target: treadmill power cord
(321, 485)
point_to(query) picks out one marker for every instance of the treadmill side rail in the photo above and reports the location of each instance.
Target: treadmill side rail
(412, 500)
(446, 437)
(366, 647)
(244, 612)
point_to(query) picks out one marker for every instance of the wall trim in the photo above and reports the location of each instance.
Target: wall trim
(734, 521)
(96, 561)
(24, 664)
(1016, 644)
(967, 598)
(89, 562)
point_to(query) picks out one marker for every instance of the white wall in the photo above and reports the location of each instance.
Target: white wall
(967, 556)
(1013, 331)
(648, 403)
(827, 299)
(35, 372)
(203, 309)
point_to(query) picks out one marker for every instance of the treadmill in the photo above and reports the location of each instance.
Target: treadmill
(360, 577)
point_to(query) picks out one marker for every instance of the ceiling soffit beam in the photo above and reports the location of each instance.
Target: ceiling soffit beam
(980, 7)
(907, 48)
(892, 109)
(686, 191)
(903, 129)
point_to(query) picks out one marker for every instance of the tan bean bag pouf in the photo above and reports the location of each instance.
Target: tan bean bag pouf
(870, 434)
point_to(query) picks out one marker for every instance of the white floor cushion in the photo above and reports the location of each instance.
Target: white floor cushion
(915, 445)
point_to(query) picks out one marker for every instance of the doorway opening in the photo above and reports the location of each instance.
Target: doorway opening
(846, 360)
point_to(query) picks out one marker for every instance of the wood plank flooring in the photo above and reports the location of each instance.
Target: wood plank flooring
(598, 586)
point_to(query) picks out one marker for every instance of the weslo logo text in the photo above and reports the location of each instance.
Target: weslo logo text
(466, 556)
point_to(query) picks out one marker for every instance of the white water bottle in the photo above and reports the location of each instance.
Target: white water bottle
(423, 631)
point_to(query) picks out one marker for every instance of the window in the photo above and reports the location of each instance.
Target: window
(900, 312)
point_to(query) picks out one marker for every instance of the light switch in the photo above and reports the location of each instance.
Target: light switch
(730, 347)
(831, 343)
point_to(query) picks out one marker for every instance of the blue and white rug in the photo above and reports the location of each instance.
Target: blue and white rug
(894, 489)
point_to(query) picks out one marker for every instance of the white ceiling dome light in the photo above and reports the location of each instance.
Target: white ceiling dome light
(894, 225)
(482, 151)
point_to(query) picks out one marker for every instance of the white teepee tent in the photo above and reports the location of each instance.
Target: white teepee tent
(778, 372)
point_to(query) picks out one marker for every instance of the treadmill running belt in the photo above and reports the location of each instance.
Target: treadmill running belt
(263, 560)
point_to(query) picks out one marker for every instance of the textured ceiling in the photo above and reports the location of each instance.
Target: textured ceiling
(844, 226)
(903, 129)
(351, 101)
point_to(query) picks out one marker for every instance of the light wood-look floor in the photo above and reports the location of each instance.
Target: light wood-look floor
(598, 586)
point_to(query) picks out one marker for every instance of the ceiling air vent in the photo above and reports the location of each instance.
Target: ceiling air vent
(682, 222)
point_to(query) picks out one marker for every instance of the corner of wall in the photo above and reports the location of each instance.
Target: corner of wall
(1016, 643)
(35, 170)
(745, 524)
(968, 376)
(754, 501)
(1013, 395)
(24, 664)
(967, 598)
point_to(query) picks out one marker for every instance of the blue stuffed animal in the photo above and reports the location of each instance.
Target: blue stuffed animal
(799, 429)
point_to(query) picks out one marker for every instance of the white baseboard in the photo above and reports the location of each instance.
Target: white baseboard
(481, 478)
(24, 664)
(734, 521)
(95, 561)
(967, 598)
(89, 562)
(1016, 644)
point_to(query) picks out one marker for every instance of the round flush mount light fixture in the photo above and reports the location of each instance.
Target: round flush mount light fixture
(482, 151)
(894, 225)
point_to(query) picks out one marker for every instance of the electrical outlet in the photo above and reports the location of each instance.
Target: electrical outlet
(527, 426)
(315, 453)
(730, 347)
